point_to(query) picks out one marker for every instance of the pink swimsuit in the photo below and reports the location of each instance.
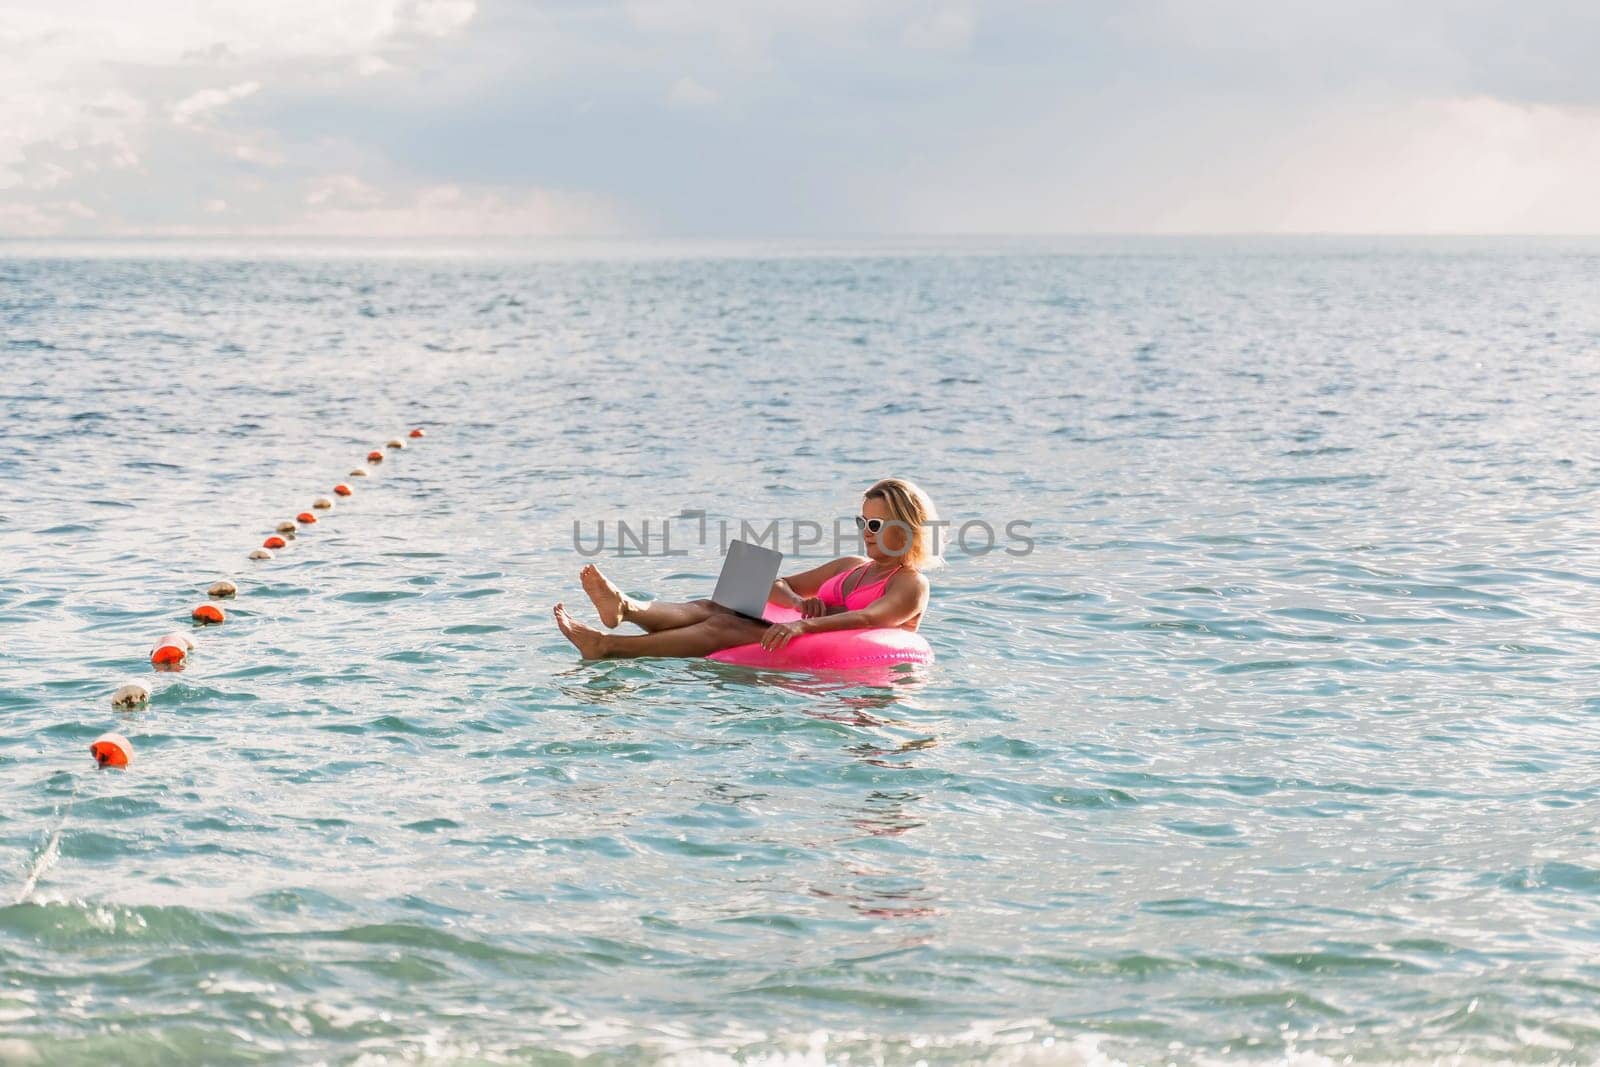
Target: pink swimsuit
(832, 591)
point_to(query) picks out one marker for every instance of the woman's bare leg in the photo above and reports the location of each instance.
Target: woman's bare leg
(657, 615)
(712, 634)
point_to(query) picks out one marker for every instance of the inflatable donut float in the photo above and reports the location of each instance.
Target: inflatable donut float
(836, 650)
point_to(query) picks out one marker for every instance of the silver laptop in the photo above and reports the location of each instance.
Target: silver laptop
(746, 579)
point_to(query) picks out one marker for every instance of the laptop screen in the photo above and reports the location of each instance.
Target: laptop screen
(747, 576)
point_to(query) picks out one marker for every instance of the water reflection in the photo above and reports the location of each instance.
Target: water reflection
(902, 889)
(885, 875)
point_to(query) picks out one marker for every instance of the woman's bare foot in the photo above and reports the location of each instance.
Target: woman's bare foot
(608, 599)
(586, 639)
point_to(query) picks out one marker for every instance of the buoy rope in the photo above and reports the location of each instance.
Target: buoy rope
(111, 749)
(172, 651)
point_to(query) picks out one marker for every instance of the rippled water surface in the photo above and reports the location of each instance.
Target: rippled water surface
(1283, 740)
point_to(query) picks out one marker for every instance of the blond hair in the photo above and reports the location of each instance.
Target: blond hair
(909, 505)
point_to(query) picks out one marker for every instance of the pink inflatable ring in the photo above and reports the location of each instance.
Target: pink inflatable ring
(837, 650)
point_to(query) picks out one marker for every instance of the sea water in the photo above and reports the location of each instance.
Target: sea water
(1278, 738)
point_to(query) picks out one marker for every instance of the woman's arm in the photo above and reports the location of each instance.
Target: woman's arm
(905, 598)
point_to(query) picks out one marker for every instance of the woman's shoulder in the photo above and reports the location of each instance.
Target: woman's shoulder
(910, 576)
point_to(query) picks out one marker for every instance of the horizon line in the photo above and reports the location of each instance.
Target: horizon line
(843, 236)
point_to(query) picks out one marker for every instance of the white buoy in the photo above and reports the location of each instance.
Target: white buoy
(322, 502)
(131, 695)
(222, 588)
(286, 527)
(261, 553)
(395, 442)
(359, 472)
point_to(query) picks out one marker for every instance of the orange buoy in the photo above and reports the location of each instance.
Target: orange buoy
(374, 456)
(171, 649)
(207, 613)
(274, 542)
(260, 553)
(417, 433)
(342, 489)
(306, 517)
(111, 750)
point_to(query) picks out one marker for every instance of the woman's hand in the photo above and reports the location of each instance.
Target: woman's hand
(779, 635)
(811, 607)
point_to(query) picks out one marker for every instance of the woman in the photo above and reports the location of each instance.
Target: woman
(886, 587)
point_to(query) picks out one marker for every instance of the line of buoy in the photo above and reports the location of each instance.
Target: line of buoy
(171, 651)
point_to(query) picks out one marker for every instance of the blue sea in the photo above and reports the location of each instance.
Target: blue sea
(1278, 741)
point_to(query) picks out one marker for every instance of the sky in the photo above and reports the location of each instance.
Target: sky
(525, 118)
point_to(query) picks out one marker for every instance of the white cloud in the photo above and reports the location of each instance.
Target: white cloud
(746, 31)
(1469, 165)
(79, 33)
(42, 219)
(926, 115)
(81, 82)
(343, 192)
(1473, 165)
(688, 93)
(253, 153)
(346, 206)
(198, 105)
(44, 174)
(437, 18)
(367, 66)
(947, 29)
(43, 127)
